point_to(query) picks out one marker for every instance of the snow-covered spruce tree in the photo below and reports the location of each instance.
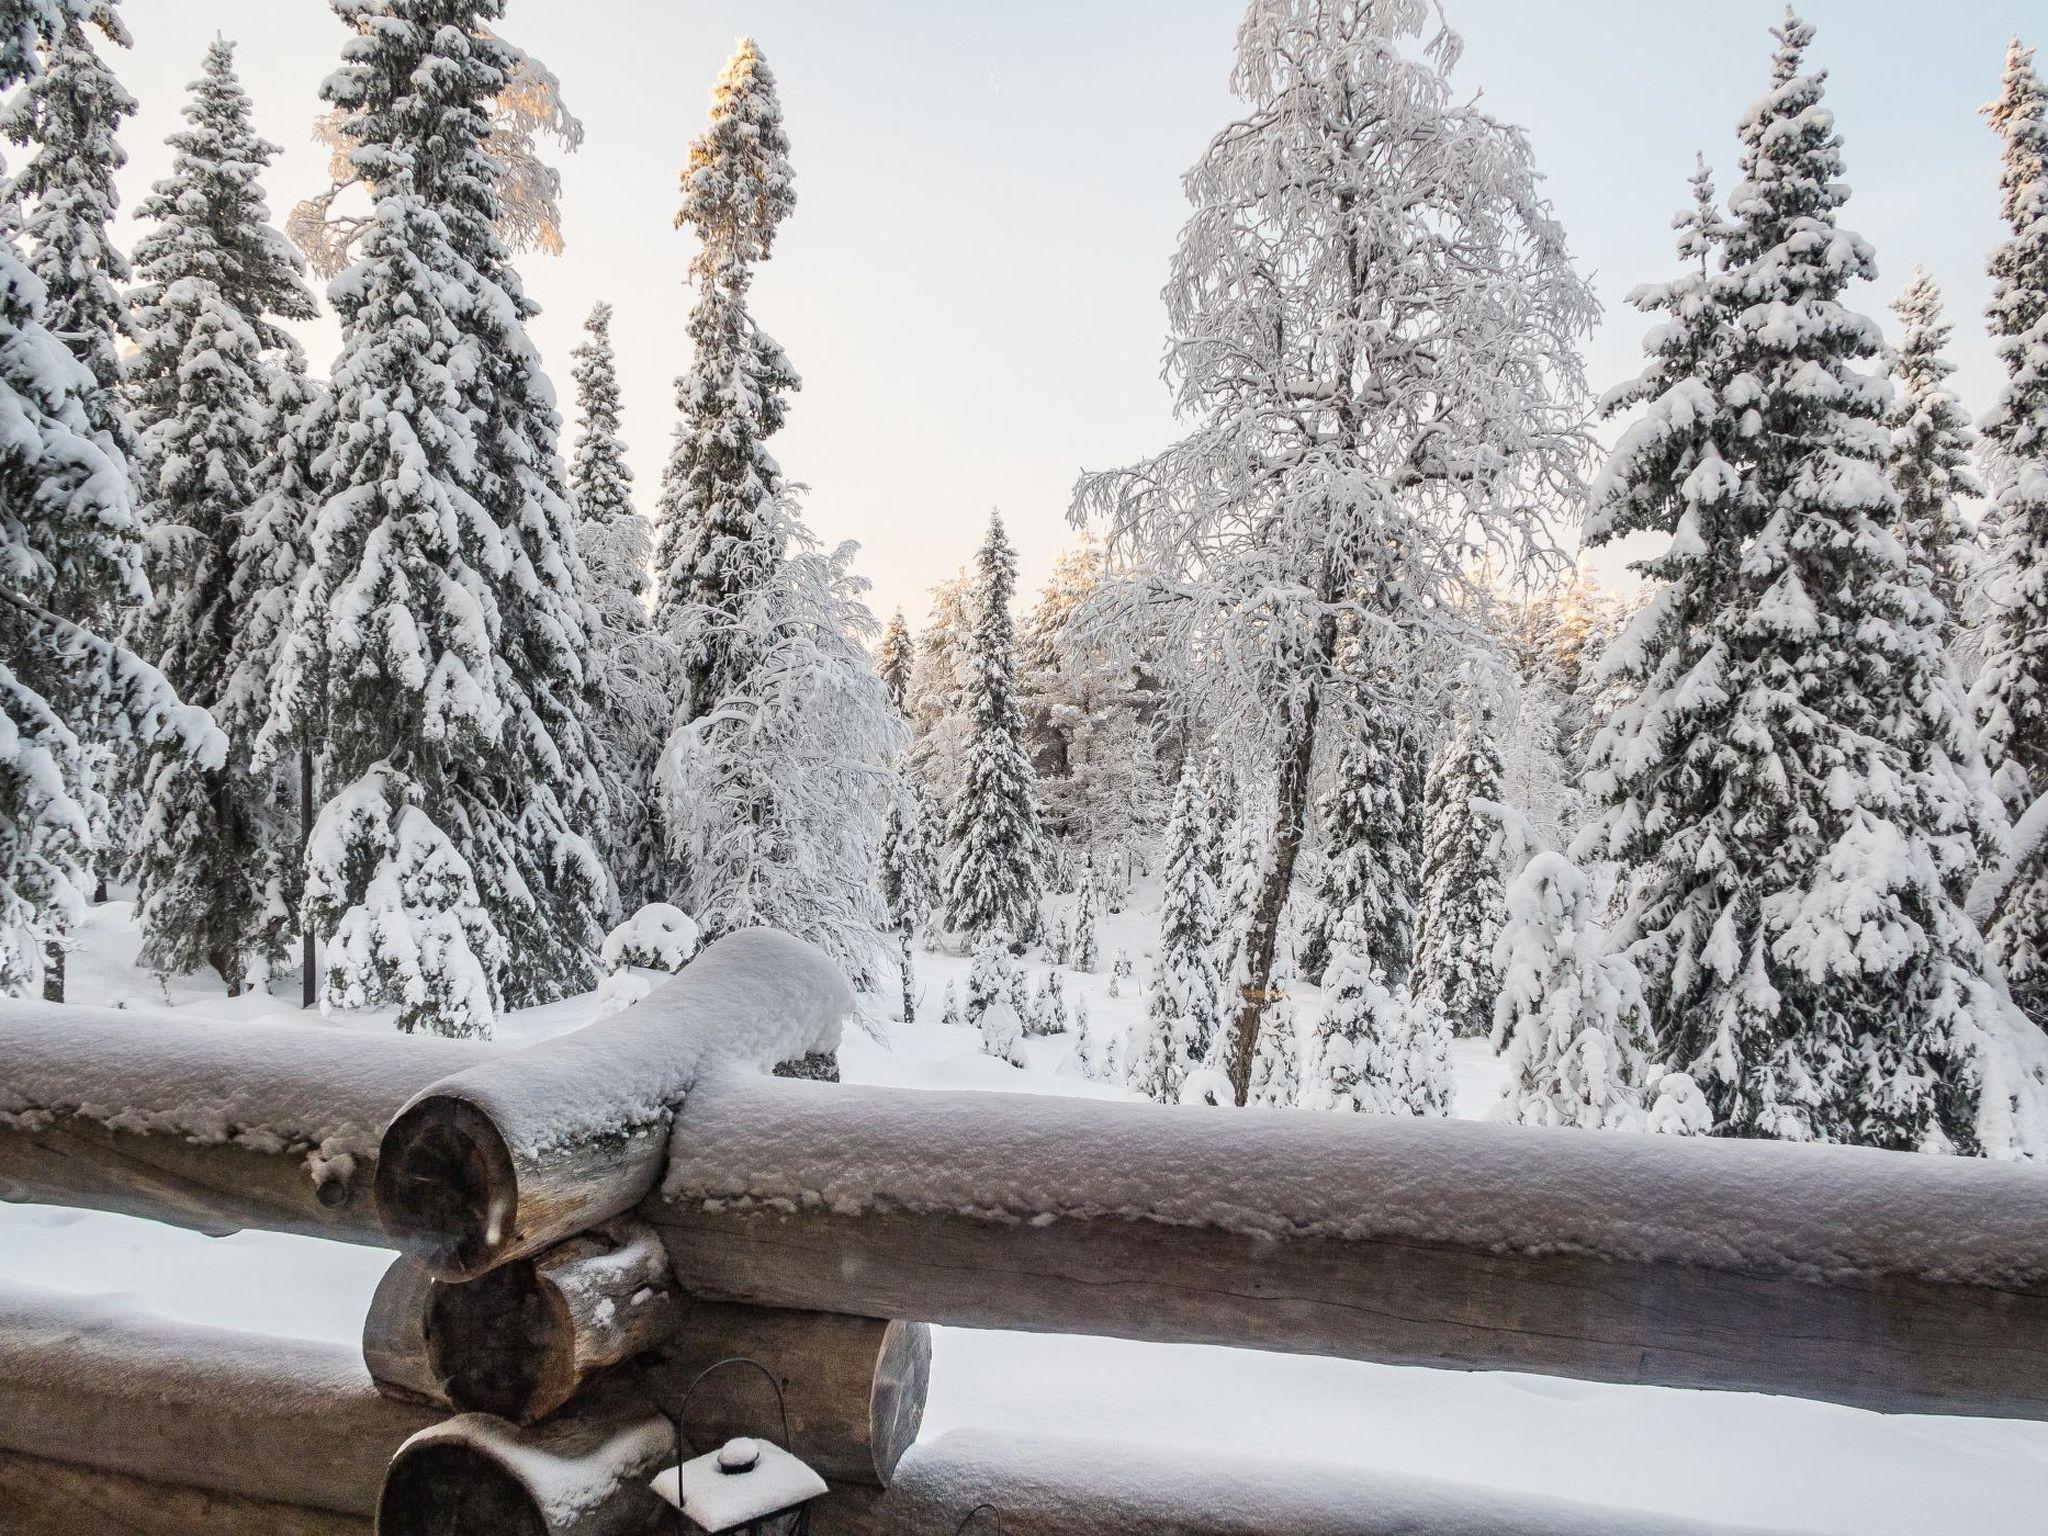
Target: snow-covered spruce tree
(893, 661)
(1459, 916)
(68, 113)
(718, 526)
(774, 803)
(1570, 1019)
(1369, 856)
(2011, 692)
(631, 669)
(1788, 786)
(1182, 1011)
(445, 671)
(993, 879)
(217, 858)
(1930, 450)
(1364, 424)
(69, 557)
(1086, 952)
(1375, 1049)
(907, 878)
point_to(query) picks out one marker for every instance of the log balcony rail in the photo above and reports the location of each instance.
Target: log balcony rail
(585, 1223)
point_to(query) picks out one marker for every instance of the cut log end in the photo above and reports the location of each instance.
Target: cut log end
(446, 1190)
(448, 1488)
(503, 1343)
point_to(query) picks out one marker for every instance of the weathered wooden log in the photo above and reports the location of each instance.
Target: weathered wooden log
(584, 1472)
(1883, 1280)
(1043, 1486)
(521, 1340)
(513, 1155)
(855, 1387)
(98, 1384)
(61, 1498)
(210, 1126)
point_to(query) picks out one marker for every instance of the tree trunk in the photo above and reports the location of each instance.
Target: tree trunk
(909, 981)
(53, 972)
(306, 969)
(1290, 817)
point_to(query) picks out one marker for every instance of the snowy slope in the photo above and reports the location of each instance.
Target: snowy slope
(1742, 1459)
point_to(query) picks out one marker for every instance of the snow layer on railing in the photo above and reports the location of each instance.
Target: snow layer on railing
(1765, 1208)
(757, 996)
(1034, 1482)
(274, 1087)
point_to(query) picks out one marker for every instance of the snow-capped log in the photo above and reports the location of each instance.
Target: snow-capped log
(521, 1151)
(211, 1126)
(61, 1498)
(1884, 1280)
(855, 1386)
(520, 1340)
(95, 1382)
(1051, 1486)
(584, 1472)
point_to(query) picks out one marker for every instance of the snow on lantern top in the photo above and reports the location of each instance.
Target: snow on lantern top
(748, 1487)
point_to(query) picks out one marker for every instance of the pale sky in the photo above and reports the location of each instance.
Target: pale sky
(987, 196)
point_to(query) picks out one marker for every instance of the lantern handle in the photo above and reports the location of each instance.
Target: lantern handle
(683, 1410)
(995, 1518)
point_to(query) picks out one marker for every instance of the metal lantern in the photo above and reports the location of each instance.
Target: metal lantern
(747, 1487)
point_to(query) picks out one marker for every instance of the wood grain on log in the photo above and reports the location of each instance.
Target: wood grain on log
(1828, 1284)
(521, 1341)
(58, 1498)
(512, 1156)
(93, 1382)
(855, 1386)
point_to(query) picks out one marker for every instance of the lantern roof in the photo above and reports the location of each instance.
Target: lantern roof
(742, 1481)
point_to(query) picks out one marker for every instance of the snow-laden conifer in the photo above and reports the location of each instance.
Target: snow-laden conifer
(445, 672)
(73, 698)
(1362, 422)
(1930, 451)
(212, 387)
(631, 668)
(718, 528)
(993, 856)
(935, 699)
(1459, 916)
(1791, 786)
(1375, 1050)
(1086, 952)
(894, 659)
(1570, 1021)
(1369, 874)
(1182, 1007)
(68, 114)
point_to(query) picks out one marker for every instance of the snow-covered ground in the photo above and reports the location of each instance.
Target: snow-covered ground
(1773, 1462)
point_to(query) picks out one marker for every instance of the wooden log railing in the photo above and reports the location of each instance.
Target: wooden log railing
(551, 1297)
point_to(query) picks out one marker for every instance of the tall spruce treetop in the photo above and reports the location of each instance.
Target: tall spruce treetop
(1461, 906)
(69, 113)
(448, 672)
(1931, 442)
(994, 873)
(1789, 789)
(209, 216)
(718, 538)
(2011, 694)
